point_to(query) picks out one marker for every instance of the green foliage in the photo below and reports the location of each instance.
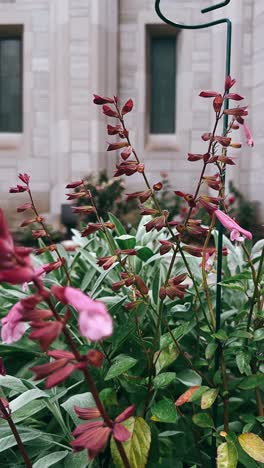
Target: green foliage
(150, 363)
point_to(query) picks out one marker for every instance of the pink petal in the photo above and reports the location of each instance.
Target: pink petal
(230, 224)
(249, 139)
(95, 324)
(77, 299)
(121, 433)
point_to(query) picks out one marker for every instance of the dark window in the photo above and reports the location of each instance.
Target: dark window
(11, 111)
(162, 94)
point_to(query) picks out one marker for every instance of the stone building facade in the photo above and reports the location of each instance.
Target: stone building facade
(74, 48)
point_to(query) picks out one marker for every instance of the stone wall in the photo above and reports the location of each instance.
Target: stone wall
(73, 48)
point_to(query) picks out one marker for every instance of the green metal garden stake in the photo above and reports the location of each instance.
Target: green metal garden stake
(225, 125)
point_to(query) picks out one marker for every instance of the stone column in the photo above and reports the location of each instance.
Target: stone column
(59, 102)
(104, 80)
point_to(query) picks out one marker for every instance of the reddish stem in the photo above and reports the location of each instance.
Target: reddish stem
(8, 418)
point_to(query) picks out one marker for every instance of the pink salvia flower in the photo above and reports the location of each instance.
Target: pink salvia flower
(232, 226)
(12, 326)
(249, 139)
(95, 323)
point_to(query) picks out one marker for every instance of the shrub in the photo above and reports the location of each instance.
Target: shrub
(131, 359)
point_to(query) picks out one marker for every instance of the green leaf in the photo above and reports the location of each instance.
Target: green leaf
(199, 392)
(209, 398)
(84, 400)
(170, 433)
(189, 378)
(10, 441)
(243, 458)
(259, 334)
(244, 275)
(119, 228)
(25, 398)
(164, 411)
(137, 447)
(178, 333)
(166, 357)
(163, 380)
(241, 334)
(227, 455)
(243, 361)
(77, 460)
(156, 284)
(126, 241)
(203, 420)
(233, 286)
(51, 459)
(210, 350)
(253, 445)
(221, 335)
(100, 279)
(252, 381)
(108, 397)
(122, 364)
(144, 253)
(13, 383)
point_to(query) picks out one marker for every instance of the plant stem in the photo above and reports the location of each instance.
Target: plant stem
(225, 396)
(8, 418)
(253, 299)
(88, 377)
(205, 283)
(259, 401)
(44, 227)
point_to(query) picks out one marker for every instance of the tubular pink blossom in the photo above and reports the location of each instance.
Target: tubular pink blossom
(95, 323)
(232, 226)
(249, 139)
(12, 326)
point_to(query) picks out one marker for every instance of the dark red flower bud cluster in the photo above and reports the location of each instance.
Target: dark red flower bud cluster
(64, 364)
(93, 435)
(174, 288)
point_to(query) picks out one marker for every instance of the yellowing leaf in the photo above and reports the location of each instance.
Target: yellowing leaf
(253, 445)
(185, 397)
(166, 357)
(227, 455)
(209, 398)
(137, 447)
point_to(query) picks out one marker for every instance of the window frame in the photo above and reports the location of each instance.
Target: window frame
(15, 32)
(153, 32)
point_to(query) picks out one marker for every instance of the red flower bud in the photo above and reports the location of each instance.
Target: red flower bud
(229, 82)
(116, 146)
(99, 100)
(75, 184)
(24, 178)
(24, 207)
(18, 189)
(95, 358)
(237, 111)
(126, 153)
(158, 186)
(234, 96)
(109, 112)
(217, 103)
(127, 107)
(208, 94)
(195, 157)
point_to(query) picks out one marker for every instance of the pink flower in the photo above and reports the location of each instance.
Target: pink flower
(232, 226)
(95, 323)
(15, 265)
(249, 139)
(12, 326)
